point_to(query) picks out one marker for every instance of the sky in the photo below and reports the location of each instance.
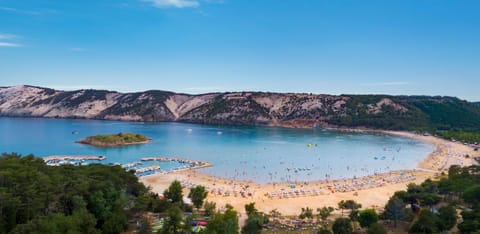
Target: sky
(398, 47)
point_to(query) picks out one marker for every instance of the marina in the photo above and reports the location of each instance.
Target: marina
(57, 160)
(143, 167)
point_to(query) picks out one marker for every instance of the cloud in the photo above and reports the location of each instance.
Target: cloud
(173, 3)
(14, 10)
(389, 83)
(8, 44)
(7, 36)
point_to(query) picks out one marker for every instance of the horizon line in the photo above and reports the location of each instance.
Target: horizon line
(244, 91)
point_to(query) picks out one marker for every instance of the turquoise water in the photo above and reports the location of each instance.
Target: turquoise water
(261, 154)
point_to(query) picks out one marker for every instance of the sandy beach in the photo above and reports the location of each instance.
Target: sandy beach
(288, 198)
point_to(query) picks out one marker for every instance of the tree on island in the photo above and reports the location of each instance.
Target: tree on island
(174, 193)
(197, 195)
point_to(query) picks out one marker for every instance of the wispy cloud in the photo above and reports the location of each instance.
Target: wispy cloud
(388, 83)
(8, 44)
(7, 36)
(173, 3)
(15, 10)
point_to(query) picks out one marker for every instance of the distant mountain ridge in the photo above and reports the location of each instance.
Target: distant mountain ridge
(246, 108)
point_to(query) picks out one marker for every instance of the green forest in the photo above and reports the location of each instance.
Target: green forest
(36, 198)
(448, 117)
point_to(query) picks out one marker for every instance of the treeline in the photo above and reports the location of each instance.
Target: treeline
(434, 203)
(36, 198)
(437, 115)
(430, 207)
(470, 137)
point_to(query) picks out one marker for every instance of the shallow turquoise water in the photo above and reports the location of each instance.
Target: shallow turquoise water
(261, 154)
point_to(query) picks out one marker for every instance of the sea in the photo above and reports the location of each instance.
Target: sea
(249, 153)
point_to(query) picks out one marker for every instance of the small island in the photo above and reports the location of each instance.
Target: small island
(114, 140)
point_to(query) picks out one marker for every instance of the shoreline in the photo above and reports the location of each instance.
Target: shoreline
(318, 193)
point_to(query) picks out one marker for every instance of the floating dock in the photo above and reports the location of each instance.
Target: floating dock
(74, 157)
(194, 163)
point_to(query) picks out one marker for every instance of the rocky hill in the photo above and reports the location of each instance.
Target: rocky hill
(246, 108)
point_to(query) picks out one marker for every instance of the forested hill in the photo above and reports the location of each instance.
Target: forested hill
(36, 198)
(425, 113)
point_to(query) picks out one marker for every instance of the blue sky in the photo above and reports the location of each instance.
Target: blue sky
(411, 47)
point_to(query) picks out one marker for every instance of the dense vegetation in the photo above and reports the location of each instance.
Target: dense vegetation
(36, 198)
(430, 207)
(472, 137)
(445, 116)
(115, 139)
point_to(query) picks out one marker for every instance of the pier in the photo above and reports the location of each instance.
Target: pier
(147, 169)
(74, 157)
(189, 164)
(194, 164)
(57, 160)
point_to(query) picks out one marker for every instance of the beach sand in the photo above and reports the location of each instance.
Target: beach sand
(371, 192)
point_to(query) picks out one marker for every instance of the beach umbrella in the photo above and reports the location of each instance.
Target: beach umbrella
(201, 223)
(157, 225)
(198, 228)
(157, 228)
